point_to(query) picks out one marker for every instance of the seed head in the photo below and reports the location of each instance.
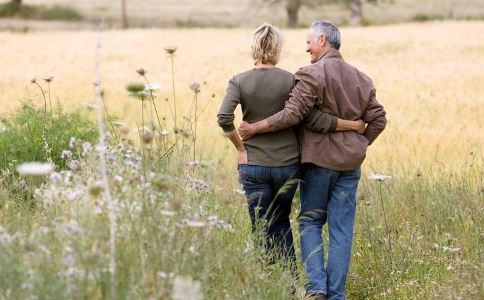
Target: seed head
(195, 87)
(33, 80)
(141, 71)
(48, 78)
(147, 137)
(171, 49)
(124, 130)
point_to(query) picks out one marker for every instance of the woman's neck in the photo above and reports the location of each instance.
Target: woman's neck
(261, 65)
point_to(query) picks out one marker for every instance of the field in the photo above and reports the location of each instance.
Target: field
(429, 78)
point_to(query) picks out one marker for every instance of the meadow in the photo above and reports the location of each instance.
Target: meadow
(183, 226)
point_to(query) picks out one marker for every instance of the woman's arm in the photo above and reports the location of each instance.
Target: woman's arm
(322, 122)
(225, 119)
(235, 139)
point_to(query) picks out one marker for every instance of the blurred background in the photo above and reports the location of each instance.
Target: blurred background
(25, 14)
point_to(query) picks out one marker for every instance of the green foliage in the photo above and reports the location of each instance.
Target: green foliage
(56, 12)
(425, 17)
(32, 136)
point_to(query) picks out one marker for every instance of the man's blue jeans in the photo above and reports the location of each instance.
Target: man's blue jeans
(327, 196)
(269, 192)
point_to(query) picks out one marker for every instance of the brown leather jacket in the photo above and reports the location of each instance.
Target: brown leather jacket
(335, 87)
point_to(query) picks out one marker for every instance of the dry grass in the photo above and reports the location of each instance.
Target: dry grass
(428, 77)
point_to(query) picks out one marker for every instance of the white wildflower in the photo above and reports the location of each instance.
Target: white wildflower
(186, 288)
(86, 148)
(56, 176)
(35, 169)
(167, 213)
(379, 177)
(165, 275)
(152, 87)
(66, 154)
(74, 165)
(72, 142)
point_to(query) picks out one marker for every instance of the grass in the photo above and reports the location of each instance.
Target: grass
(185, 226)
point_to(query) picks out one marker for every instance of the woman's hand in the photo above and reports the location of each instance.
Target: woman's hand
(242, 156)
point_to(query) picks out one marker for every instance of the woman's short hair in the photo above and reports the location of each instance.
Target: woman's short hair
(267, 43)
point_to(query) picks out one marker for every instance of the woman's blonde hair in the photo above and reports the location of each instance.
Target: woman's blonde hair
(267, 42)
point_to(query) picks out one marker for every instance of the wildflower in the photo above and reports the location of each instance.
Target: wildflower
(196, 222)
(167, 213)
(74, 165)
(435, 246)
(135, 87)
(186, 288)
(171, 49)
(72, 142)
(165, 275)
(164, 132)
(86, 148)
(141, 71)
(35, 169)
(33, 81)
(48, 78)
(66, 154)
(379, 177)
(213, 95)
(195, 87)
(152, 87)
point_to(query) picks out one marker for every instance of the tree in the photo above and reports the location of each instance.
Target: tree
(124, 15)
(17, 1)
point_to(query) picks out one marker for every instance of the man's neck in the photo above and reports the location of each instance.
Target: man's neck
(323, 53)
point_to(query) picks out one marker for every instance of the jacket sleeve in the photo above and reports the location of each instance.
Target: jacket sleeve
(374, 116)
(301, 100)
(225, 115)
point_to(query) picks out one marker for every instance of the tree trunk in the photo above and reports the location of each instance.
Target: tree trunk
(124, 15)
(356, 7)
(17, 1)
(292, 9)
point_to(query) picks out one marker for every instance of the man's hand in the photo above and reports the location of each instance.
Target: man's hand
(242, 156)
(246, 130)
(360, 126)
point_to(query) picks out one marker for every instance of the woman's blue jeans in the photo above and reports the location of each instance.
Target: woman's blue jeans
(327, 196)
(269, 192)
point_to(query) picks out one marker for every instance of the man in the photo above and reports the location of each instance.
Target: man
(331, 162)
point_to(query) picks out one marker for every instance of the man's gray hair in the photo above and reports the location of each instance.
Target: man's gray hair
(320, 28)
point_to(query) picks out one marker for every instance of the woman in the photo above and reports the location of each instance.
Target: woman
(269, 163)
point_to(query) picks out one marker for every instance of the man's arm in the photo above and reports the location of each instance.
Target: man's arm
(301, 100)
(375, 117)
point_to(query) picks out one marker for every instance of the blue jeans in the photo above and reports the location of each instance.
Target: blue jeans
(327, 196)
(269, 192)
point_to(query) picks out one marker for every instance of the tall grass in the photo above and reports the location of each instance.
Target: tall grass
(183, 229)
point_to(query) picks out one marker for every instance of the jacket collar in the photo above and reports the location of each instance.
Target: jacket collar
(331, 53)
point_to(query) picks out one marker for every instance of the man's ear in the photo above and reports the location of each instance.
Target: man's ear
(322, 40)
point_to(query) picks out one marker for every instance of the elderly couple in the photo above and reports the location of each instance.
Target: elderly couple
(311, 128)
